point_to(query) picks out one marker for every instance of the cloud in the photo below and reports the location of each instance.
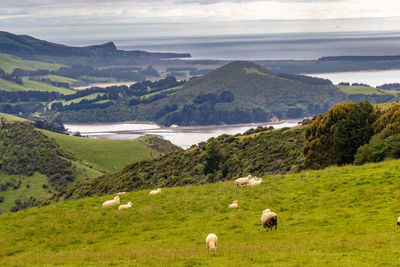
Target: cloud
(187, 16)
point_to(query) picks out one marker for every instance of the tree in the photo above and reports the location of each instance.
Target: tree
(333, 138)
(213, 157)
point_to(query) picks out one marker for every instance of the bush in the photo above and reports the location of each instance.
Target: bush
(333, 138)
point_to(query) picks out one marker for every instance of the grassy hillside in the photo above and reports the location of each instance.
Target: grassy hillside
(224, 158)
(28, 85)
(365, 90)
(8, 63)
(10, 117)
(335, 217)
(111, 155)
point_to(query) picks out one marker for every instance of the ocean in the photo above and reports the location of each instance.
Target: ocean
(271, 46)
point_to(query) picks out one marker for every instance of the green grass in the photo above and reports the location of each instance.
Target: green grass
(32, 85)
(56, 78)
(77, 100)
(8, 63)
(364, 90)
(10, 117)
(334, 217)
(171, 90)
(105, 155)
(35, 189)
(35, 182)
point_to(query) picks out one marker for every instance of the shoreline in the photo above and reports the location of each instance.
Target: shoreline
(159, 127)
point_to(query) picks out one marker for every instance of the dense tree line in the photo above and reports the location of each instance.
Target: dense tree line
(25, 109)
(390, 86)
(22, 72)
(10, 77)
(53, 126)
(136, 89)
(224, 97)
(28, 96)
(75, 72)
(54, 83)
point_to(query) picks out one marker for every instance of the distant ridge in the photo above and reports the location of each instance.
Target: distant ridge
(28, 47)
(359, 58)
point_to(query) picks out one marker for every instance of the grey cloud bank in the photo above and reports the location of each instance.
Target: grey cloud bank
(109, 20)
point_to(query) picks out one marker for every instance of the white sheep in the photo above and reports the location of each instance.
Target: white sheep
(211, 242)
(126, 206)
(155, 192)
(234, 205)
(269, 220)
(255, 181)
(110, 203)
(243, 181)
(121, 193)
(398, 221)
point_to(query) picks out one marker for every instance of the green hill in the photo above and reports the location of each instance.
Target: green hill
(242, 92)
(335, 217)
(8, 63)
(28, 47)
(29, 85)
(36, 164)
(112, 155)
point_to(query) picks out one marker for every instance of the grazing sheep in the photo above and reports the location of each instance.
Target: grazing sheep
(234, 205)
(255, 181)
(243, 181)
(155, 192)
(121, 193)
(398, 221)
(269, 220)
(110, 203)
(211, 242)
(127, 206)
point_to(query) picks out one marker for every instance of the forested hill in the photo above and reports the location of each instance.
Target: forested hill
(28, 47)
(242, 92)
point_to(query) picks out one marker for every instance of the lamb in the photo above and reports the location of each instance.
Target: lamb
(398, 221)
(243, 181)
(126, 206)
(211, 242)
(234, 205)
(255, 181)
(155, 192)
(269, 220)
(110, 203)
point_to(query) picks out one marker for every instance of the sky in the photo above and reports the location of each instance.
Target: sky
(119, 19)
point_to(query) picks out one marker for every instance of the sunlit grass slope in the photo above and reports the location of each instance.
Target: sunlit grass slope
(29, 85)
(105, 155)
(364, 90)
(334, 217)
(8, 63)
(10, 117)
